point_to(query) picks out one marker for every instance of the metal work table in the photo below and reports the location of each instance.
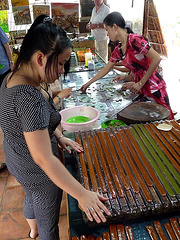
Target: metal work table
(103, 94)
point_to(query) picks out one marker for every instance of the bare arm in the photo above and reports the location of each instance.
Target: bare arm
(9, 55)
(39, 145)
(128, 77)
(64, 93)
(121, 68)
(64, 142)
(155, 60)
(98, 76)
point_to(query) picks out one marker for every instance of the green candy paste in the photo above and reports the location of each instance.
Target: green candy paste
(78, 119)
(156, 158)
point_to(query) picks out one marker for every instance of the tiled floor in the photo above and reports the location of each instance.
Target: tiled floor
(13, 225)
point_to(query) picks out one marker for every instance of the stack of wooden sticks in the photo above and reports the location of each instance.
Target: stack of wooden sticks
(136, 167)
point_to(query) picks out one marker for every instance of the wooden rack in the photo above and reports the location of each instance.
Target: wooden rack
(152, 29)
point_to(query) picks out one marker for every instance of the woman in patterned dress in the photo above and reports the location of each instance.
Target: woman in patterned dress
(135, 53)
(31, 122)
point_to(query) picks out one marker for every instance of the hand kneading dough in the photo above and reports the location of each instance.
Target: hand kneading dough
(164, 127)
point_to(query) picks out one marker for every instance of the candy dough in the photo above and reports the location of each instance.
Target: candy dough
(164, 127)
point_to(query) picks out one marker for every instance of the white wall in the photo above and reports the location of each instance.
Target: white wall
(130, 13)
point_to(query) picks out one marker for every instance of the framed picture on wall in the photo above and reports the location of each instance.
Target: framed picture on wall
(40, 9)
(19, 3)
(66, 15)
(21, 15)
(4, 5)
(4, 21)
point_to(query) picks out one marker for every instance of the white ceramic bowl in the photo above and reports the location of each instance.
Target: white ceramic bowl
(86, 111)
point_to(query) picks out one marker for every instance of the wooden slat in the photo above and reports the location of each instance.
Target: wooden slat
(152, 28)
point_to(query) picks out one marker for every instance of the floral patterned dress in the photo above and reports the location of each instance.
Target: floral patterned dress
(135, 59)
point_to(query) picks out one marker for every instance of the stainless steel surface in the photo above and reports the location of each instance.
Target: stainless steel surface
(104, 94)
(112, 113)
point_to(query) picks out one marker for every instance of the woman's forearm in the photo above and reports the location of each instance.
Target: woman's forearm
(155, 60)
(58, 131)
(102, 72)
(121, 69)
(57, 172)
(41, 152)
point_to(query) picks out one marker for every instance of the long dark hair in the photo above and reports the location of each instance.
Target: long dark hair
(48, 38)
(116, 18)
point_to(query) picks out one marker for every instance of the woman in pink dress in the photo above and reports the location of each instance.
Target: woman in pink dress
(135, 53)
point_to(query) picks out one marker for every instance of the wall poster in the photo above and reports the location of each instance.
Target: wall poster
(17, 34)
(4, 21)
(40, 9)
(19, 3)
(4, 5)
(66, 15)
(22, 15)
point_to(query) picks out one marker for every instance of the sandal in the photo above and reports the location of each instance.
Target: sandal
(2, 166)
(31, 237)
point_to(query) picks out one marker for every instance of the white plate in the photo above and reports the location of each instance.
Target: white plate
(164, 127)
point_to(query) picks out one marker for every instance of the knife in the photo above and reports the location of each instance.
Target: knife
(115, 111)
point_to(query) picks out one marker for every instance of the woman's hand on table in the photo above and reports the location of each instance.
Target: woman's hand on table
(136, 87)
(119, 78)
(65, 93)
(91, 204)
(65, 142)
(84, 87)
(133, 87)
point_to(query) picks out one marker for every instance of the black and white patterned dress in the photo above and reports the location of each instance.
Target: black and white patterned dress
(23, 108)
